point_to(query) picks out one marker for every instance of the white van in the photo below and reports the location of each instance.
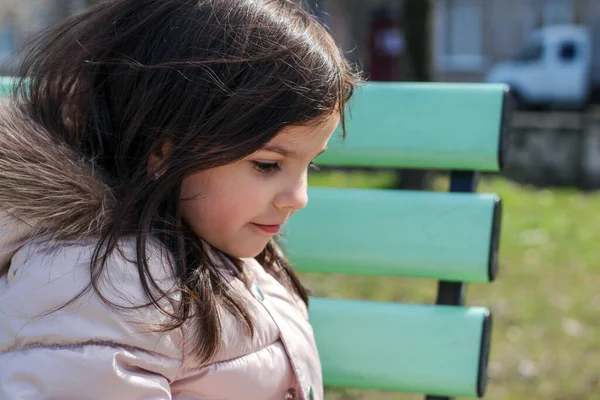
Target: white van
(556, 67)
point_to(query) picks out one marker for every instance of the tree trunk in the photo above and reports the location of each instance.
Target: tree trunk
(416, 22)
(416, 14)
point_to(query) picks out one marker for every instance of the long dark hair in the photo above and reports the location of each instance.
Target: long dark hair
(217, 79)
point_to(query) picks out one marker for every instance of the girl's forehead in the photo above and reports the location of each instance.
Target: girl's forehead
(302, 133)
(304, 138)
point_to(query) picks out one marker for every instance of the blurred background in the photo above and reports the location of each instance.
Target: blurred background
(546, 301)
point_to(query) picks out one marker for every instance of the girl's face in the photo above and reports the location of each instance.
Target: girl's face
(239, 207)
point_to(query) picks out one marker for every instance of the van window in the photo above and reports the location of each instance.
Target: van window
(567, 51)
(532, 51)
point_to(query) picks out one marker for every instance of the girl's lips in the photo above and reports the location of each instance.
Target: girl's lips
(270, 229)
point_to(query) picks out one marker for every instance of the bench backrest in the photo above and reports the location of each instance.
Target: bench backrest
(439, 349)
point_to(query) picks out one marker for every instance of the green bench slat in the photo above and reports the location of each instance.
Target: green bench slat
(422, 125)
(447, 236)
(402, 347)
(6, 85)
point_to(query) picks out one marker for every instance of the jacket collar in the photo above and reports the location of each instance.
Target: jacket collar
(46, 187)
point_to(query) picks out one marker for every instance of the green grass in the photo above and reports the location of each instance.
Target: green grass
(546, 299)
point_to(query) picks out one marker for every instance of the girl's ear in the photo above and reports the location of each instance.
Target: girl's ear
(157, 159)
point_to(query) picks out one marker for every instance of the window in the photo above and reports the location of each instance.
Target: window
(558, 12)
(531, 52)
(8, 45)
(7, 40)
(567, 51)
(459, 28)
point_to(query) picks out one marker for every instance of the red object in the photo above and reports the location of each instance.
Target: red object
(386, 46)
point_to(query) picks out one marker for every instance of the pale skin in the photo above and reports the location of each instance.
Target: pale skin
(238, 207)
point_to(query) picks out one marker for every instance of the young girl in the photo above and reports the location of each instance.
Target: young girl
(148, 158)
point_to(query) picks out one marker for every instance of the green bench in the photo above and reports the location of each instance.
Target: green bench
(439, 350)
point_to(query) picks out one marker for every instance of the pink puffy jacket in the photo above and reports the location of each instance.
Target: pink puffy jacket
(89, 351)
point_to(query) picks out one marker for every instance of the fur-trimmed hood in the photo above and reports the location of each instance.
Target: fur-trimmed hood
(46, 187)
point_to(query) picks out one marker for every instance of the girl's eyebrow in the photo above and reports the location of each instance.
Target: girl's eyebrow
(283, 151)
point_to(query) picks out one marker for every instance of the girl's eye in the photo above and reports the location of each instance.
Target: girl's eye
(266, 168)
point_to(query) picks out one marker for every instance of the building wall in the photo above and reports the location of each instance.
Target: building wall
(19, 19)
(467, 36)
